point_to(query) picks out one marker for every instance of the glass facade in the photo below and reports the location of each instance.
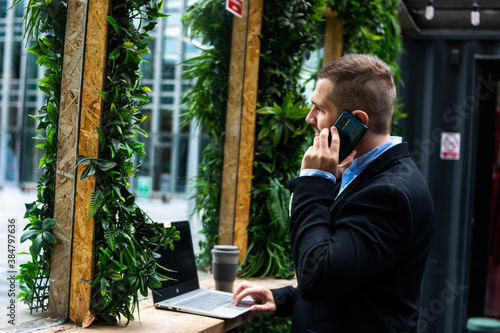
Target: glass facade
(19, 97)
(172, 148)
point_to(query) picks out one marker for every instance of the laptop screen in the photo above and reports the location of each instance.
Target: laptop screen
(182, 261)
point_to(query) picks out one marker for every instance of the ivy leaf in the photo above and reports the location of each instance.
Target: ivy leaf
(115, 25)
(48, 237)
(102, 137)
(28, 235)
(153, 282)
(30, 208)
(103, 164)
(115, 54)
(89, 171)
(81, 159)
(52, 112)
(35, 49)
(37, 245)
(140, 130)
(140, 118)
(103, 285)
(116, 144)
(118, 277)
(48, 224)
(51, 134)
(50, 41)
(369, 35)
(109, 96)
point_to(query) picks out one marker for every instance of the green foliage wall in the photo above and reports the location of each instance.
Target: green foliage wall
(372, 27)
(125, 236)
(206, 106)
(280, 65)
(290, 32)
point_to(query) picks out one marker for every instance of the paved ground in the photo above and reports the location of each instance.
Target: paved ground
(12, 201)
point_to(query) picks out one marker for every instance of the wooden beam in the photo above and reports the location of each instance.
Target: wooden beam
(233, 128)
(247, 137)
(60, 263)
(333, 37)
(240, 127)
(88, 145)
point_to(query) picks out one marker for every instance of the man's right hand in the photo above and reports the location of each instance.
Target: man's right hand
(262, 296)
(320, 156)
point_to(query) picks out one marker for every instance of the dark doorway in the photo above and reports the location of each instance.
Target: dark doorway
(484, 296)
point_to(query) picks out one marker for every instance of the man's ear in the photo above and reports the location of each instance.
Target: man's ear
(362, 116)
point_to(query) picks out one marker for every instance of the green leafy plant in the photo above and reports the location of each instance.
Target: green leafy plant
(49, 18)
(290, 30)
(34, 274)
(206, 105)
(126, 239)
(282, 131)
(39, 233)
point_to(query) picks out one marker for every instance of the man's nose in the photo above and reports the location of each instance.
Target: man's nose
(311, 117)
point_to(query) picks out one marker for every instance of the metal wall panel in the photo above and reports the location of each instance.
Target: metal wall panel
(442, 92)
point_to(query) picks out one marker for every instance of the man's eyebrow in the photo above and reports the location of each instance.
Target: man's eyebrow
(317, 105)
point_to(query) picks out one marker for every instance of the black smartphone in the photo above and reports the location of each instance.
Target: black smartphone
(351, 130)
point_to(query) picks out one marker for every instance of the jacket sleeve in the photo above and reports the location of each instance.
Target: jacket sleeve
(336, 253)
(285, 300)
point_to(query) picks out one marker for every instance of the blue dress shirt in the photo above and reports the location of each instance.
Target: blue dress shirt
(357, 166)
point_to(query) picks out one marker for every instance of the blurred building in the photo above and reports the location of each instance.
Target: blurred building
(172, 148)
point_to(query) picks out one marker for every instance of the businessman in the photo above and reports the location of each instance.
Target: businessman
(360, 230)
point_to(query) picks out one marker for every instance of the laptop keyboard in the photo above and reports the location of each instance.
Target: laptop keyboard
(207, 301)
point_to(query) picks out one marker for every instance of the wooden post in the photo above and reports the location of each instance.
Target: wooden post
(233, 128)
(91, 108)
(245, 164)
(333, 37)
(240, 127)
(60, 266)
(80, 113)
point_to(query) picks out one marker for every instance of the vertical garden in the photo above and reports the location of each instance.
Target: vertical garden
(291, 32)
(125, 238)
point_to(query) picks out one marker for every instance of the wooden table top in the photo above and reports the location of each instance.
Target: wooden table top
(157, 320)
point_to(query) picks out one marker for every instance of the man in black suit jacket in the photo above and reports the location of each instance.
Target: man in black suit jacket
(360, 230)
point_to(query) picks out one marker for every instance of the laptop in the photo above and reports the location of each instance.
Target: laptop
(184, 293)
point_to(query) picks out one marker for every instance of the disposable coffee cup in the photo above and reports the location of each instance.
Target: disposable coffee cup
(225, 266)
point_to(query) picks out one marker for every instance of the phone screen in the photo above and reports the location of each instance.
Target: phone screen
(351, 130)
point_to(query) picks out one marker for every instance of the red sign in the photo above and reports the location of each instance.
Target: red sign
(235, 7)
(450, 146)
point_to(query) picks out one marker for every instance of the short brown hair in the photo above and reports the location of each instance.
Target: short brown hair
(363, 82)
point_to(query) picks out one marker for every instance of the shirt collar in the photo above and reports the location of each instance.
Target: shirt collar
(360, 163)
